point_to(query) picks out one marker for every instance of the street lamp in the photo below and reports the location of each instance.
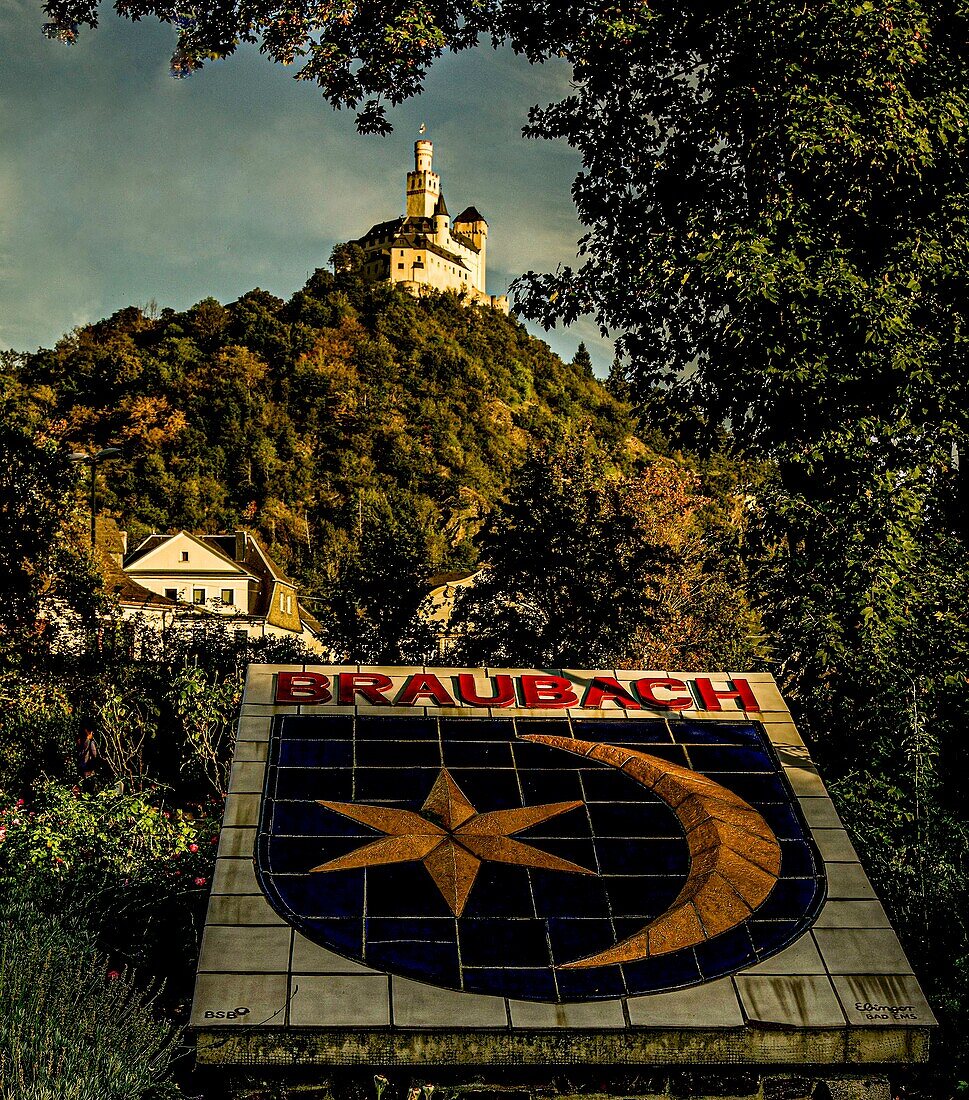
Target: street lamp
(105, 454)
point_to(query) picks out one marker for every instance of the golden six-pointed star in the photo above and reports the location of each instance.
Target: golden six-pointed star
(450, 838)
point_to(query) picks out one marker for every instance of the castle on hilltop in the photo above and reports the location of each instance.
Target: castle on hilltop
(424, 249)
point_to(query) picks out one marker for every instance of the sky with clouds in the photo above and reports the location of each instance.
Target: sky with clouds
(120, 185)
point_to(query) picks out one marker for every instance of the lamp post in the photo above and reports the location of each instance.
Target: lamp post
(105, 454)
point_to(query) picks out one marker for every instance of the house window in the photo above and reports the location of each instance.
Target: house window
(400, 267)
(184, 555)
(171, 593)
(241, 636)
(198, 595)
(289, 605)
(228, 596)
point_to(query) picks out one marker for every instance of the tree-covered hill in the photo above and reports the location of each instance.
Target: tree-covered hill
(294, 418)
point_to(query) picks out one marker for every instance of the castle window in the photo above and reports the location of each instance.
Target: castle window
(400, 267)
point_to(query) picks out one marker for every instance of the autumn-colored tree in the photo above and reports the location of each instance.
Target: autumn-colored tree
(589, 567)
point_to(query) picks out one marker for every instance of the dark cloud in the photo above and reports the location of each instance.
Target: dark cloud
(119, 185)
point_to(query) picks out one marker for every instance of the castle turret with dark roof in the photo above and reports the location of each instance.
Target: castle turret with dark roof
(423, 250)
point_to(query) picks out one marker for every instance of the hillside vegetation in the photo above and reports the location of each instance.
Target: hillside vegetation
(292, 418)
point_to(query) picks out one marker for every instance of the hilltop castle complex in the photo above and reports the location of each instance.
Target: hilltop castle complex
(424, 249)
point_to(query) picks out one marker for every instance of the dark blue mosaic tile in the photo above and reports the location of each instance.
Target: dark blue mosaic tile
(622, 819)
(403, 890)
(644, 856)
(573, 939)
(334, 727)
(789, 899)
(752, 787)
(302, 853)
(715, 733)
(310, 819)
(782, 819)
(520, 983)
(726, 953)
(395, 728)
(316, 754)
(478, 754)
(766, 934)
(494, 789)
(429, 962)
(343, 936)
(397, 754)
(503, 942)
(455, 730)
(796, 859)
(673, 971)
(640, 896)
(381, 784)
(550, 786)
(319, 896)
(617, 731)
(400, 930)
(500, 891)
(549, 727)
(571, 825)
(593, 984)
(527, 754)
(576, 850)
(557, 893)
(308, 784)
(728, 758)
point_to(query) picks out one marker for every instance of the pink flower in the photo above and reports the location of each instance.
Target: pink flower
(113, 975)
(193, 847)
(20, 801)
(200, 881)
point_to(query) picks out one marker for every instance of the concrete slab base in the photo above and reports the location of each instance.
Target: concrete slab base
(713, 1084)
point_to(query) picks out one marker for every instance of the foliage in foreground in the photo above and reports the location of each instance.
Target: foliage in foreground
(70, 1027)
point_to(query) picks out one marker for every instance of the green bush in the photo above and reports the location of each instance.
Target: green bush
(70, 1028)
(132, 872)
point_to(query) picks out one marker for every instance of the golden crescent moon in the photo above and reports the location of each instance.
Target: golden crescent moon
(735, 858)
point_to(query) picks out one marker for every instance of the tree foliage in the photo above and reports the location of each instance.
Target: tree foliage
(590, 567)
(370, 611)
(279, 416)
(39, 564)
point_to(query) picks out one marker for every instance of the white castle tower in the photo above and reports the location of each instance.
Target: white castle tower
(424, 250)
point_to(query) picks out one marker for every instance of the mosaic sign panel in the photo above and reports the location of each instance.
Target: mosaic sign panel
(567, 858)
(574, 867)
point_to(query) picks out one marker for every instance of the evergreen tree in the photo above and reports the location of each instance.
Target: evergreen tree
(582, 360)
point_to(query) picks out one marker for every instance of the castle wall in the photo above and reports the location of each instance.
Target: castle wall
(417, 262)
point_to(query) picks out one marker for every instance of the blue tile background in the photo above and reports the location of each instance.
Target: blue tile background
(519, 924)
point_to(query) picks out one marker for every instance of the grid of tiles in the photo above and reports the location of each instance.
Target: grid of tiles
(519, 924)
(810, 1002)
